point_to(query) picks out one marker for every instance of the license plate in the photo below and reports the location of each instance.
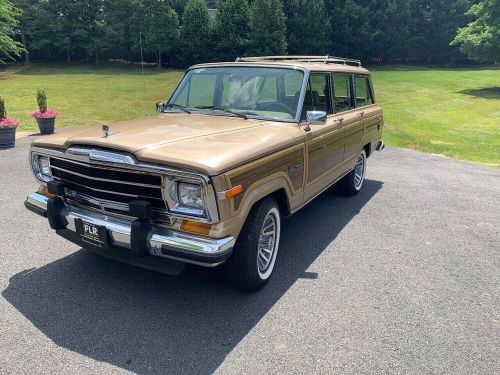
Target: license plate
(96, 235)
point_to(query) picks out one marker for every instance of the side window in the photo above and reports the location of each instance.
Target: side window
(342, 89)
(363, 92)
(317, 96)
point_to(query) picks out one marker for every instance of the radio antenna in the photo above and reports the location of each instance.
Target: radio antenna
(143, 79)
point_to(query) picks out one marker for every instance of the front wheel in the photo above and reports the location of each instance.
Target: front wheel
(353, 182)
(252, 262)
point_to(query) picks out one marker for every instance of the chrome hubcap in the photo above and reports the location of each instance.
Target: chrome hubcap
(359, 172)
(267, 243)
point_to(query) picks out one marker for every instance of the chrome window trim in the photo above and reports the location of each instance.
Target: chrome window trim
(125, 162)
(306, 72)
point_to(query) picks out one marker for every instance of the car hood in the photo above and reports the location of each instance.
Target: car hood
(210, 144)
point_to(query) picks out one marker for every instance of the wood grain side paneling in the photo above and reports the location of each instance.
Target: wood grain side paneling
(291, 163)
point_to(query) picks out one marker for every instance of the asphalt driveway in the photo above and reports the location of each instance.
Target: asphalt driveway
(404, 278)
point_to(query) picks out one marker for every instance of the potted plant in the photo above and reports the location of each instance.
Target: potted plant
(8, 128)
(45, 117)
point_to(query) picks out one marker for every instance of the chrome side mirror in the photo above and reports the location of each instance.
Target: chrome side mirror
(160, 107)
(316, 117)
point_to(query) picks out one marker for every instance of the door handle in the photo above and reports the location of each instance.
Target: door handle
(339, 120)
(361, 114)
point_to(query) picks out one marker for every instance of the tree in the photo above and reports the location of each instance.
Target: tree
(353, 27)
(9, 48)
(480, 39)
(267, 28)
(195, 29)
(29, 11)
(231, 29)
(308, 27)
(157, 26)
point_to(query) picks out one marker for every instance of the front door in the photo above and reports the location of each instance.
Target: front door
(324, 143)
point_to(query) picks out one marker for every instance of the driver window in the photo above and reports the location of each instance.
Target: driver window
(317, 96)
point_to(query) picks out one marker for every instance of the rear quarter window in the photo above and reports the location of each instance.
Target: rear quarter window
(364, 95)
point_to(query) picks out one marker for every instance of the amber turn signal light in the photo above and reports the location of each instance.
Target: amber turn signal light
(195, 227)
(237, 190)
(45, 191)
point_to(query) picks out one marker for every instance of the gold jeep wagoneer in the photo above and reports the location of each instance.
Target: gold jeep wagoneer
(206, 181)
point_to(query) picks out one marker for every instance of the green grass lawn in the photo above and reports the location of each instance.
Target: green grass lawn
(452, 112)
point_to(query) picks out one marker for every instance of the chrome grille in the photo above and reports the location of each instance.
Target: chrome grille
(109, 189)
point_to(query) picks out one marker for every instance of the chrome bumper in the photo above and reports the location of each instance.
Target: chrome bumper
(161, 242)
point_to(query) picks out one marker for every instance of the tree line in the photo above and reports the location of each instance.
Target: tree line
(182, 32)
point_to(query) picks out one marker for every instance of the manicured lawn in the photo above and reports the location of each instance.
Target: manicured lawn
(453, 112)
(85, 95)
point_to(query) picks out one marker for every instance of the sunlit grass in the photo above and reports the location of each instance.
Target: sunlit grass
(452, 112)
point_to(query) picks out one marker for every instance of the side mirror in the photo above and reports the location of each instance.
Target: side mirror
(316, 117)
(160, 107)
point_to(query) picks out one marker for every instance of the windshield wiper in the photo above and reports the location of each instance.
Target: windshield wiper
(214, 108)
(174, 105)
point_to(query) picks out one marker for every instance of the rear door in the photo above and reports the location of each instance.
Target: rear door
(365, 101)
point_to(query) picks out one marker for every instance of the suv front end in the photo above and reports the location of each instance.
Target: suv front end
(114, 204)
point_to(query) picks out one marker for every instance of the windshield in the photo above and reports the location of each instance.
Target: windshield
(268, 93)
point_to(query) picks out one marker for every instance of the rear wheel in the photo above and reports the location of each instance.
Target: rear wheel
(353, 182)
(252, 262)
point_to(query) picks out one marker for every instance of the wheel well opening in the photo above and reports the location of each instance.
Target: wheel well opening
(368, 149)
(281, 198)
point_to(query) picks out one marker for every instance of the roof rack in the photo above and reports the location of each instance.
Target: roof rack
(322, 59)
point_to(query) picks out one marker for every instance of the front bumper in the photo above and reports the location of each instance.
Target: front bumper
(160, 242)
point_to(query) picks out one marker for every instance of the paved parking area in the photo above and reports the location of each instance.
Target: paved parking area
(404, 278)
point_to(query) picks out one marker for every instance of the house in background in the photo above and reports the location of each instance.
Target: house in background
(212, 8)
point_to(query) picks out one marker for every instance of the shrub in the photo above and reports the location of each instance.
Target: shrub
(6, 122)
(3, 114)
(41, 99)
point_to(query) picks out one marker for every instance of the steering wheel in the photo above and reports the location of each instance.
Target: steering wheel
(270, 106)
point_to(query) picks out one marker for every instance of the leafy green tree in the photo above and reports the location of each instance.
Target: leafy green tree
(178, 5)
(29, 12)
(308, 27)
(195, 30)
(480, 39)
(231, 29)
(117, 39)
(267, 28)
(438, 26)
(353, 28)
(157, 25)
(9, 48)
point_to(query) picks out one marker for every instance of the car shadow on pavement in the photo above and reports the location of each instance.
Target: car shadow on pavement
(147, 322)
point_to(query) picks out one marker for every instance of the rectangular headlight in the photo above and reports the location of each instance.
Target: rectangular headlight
(41, 167)
(190, 195)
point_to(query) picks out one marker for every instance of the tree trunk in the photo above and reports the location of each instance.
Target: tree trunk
(68, 54)
(25, 46)
(159, 60)
(97, 60)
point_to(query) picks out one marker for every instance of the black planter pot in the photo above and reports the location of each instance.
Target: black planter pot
(46, 125)
(7, 137)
